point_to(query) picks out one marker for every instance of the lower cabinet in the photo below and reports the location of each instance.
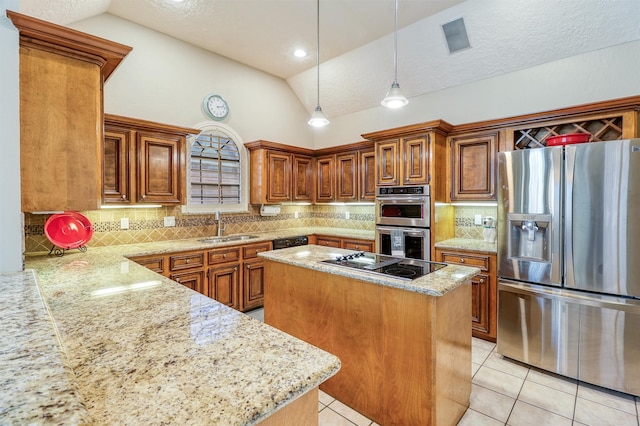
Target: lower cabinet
(232, 275)
(345, 243)
(483, 289)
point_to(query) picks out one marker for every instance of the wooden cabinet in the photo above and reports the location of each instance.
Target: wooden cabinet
(473, 166)
(483, 289)
(325, 179)
(233, 275)
(403, 161)
(144, 162)
(62, 72)
(345, 243)
(280, 173)
(346, 173)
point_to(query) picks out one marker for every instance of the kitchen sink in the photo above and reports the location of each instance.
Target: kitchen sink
(228, 238)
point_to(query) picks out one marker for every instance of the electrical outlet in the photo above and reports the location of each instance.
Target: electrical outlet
(169, 221)
(347, 215)
(478, 219)
(296, 215)
(124, 223)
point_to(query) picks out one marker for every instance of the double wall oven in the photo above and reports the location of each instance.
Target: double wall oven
(403, 221)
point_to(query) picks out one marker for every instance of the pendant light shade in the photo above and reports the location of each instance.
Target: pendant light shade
(395, 98)
(318, 119)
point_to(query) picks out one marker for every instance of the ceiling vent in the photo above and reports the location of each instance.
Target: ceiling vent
(456, 35)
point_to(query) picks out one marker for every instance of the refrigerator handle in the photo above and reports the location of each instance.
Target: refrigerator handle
(569, 164)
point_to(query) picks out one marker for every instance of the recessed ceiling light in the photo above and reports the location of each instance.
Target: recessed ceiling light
(299, 53)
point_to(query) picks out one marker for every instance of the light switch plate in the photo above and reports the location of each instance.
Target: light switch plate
(347, 215)
(296, 215)
(124, 223)
(478, 219)
(169, 221)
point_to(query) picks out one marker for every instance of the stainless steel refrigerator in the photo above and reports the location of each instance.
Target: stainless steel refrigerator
(569, 261)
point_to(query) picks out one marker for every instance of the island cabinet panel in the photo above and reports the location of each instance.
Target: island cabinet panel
(301, 411)
(484, 305)
(405, 356)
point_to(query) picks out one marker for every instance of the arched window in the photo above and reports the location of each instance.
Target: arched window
(217, 178)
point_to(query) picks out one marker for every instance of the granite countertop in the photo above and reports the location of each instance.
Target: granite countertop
(468, 244)
(36, 384)
(437, 283)
(144, 349)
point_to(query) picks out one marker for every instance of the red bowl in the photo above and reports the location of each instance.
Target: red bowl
(68, 230)
(569, 138)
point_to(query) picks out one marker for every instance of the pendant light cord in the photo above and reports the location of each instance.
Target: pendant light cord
(318, 50)
(395, 46)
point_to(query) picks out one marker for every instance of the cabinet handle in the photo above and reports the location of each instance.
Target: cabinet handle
(482, 281)
(357, 247)
(188, 260)
(123, 197)
(461, 260)
(248, 266)
(224, 255)
(143, 197)
(177, 279)
(235, 268)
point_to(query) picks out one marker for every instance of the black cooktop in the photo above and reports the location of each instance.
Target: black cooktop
(398, 267)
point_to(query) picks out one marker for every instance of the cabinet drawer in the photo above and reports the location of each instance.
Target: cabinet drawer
(156, 264)
(478, 261)
(361, 245)
(328, 242)
(179, 262)
(223, 255)
(251, 251)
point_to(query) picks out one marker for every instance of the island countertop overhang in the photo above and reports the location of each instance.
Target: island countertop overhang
(437, 283)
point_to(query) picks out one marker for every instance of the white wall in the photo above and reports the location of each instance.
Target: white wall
(10, 216)
(591, 77)
(165, 80)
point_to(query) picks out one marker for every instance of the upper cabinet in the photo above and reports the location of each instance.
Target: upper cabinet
(345, 173)
(412, 155)
(280, 173)
(62, 72)
(144, 162)
(473, 166)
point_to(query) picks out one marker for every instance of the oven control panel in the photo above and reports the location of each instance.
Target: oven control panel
(402, 190)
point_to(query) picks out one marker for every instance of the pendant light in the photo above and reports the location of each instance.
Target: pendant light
(318, 118)
(395, 98)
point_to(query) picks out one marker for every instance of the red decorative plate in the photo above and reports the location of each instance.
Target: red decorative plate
(568, 139)
(68, 230)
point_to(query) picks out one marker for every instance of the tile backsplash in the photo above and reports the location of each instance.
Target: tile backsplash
(147, 225)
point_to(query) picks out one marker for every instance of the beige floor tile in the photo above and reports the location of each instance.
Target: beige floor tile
(613, 399)
(491, 403)
(498, 381)
(593, 414)
(328, 417)
(473, 418)
(554, 381)
(479, 355)
(484, 344)
(349, 413)
(474, 368)
(524, 414)
(498, 362)
(550, 399)
(325, 398)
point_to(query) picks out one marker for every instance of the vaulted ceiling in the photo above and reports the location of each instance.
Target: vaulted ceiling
(356, 38)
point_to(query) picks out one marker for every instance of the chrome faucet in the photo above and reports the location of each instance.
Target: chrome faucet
(221, 228)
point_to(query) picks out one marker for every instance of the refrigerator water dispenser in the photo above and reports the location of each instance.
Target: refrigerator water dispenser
(529, 237)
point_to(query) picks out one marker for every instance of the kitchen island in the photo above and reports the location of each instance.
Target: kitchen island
(405, 346)
(138, 348)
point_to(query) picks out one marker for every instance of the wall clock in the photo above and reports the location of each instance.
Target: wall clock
(215, 107)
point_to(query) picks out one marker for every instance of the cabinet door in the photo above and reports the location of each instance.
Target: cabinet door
(367, 176)
(182, 261)
(222, 284)
(116, 167)
(325, 179)
(302, 178)
(361, 245)
(347, 176)
(328, 242)
(388, 163)
(473, 167)
(279, 177)
(253, 284)
(480, 303)
(159, 169)
(193, 279)
(415, 164)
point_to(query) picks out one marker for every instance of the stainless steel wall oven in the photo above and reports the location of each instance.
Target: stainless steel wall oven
(403, 219)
